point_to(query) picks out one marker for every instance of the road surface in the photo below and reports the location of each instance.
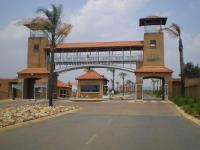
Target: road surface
(111, 125)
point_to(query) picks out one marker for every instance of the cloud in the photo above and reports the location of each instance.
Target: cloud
(97, 20)
(191, 49)
(102, 20)
(13, 49)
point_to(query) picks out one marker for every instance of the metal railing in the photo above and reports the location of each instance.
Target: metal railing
(90, 59)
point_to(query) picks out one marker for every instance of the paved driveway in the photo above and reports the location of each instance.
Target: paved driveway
(118, 125)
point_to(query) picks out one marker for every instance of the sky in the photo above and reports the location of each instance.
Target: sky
(99, 20)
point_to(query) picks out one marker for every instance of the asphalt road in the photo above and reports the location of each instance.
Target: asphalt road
(108, 126)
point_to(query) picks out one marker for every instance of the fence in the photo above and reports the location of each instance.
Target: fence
(192, 88)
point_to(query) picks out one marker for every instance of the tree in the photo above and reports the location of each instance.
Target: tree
(112, 70)
(191, 70)
(175, 31)
(51, 25)
(88, 69)
(130, 83)
(117, 86)
(122, 75)
(157, 84)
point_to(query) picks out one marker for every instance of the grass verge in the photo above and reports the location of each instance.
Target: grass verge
(189, 105)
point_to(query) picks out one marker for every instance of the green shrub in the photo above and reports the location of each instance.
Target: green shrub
(189, 105)
(158, 93)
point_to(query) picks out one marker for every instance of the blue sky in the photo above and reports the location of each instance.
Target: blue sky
(99, 20)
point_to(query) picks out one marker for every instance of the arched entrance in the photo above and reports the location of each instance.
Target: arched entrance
(101, 66)
(161, 73)
(157, 91)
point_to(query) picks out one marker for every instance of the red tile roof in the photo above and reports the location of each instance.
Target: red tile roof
(34, 71)
(153, 70)
(61, 84)
(74, 83)
(101, 44)
(91, 75)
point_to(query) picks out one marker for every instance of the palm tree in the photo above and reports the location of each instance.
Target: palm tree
(51, 25)
(175, 31)
(153, 82)
(88, 69)
(157, 84)
(112, 70)
(117, 86)
(130, 84)
(122, 75)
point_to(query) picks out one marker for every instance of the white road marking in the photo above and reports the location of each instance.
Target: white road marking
(91, 139)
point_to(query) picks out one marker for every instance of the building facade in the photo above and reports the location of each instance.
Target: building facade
(150, 65)
(91, 85)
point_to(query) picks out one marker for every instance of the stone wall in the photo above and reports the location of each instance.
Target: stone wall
(5, 88)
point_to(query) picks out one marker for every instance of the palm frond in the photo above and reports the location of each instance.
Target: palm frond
(62, 32)
(111, 69)
(57, 12)
(176, 28)
(129, 82)
(53, 14)
(49, 22)
(171, 31)
(122, 74)
(47, 13)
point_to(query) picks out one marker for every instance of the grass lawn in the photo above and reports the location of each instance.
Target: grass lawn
(189, 105)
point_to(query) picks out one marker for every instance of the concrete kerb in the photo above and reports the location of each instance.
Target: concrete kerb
(36, 120)
(186, 115)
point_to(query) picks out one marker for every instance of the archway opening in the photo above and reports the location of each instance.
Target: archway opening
(129, 81)
(153, 88)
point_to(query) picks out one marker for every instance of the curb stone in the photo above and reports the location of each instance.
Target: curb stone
(186, 115)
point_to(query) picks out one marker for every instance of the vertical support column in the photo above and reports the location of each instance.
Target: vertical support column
(34, 92)
(123, 56)
(11, 92)
(77, 58)
(109, 57)
(139, 87)
(139, 92)
(166, 91)
(22, 84)
(98, 56)
(163, 89)
(46, 92)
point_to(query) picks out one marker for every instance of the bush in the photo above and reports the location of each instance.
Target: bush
(189, 105)
(158, 93)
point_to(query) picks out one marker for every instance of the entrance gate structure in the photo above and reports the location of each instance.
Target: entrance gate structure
(147, 55)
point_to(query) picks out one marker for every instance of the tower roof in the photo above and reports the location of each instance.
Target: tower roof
(153, 70)
(34, 71)
(153, 20)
